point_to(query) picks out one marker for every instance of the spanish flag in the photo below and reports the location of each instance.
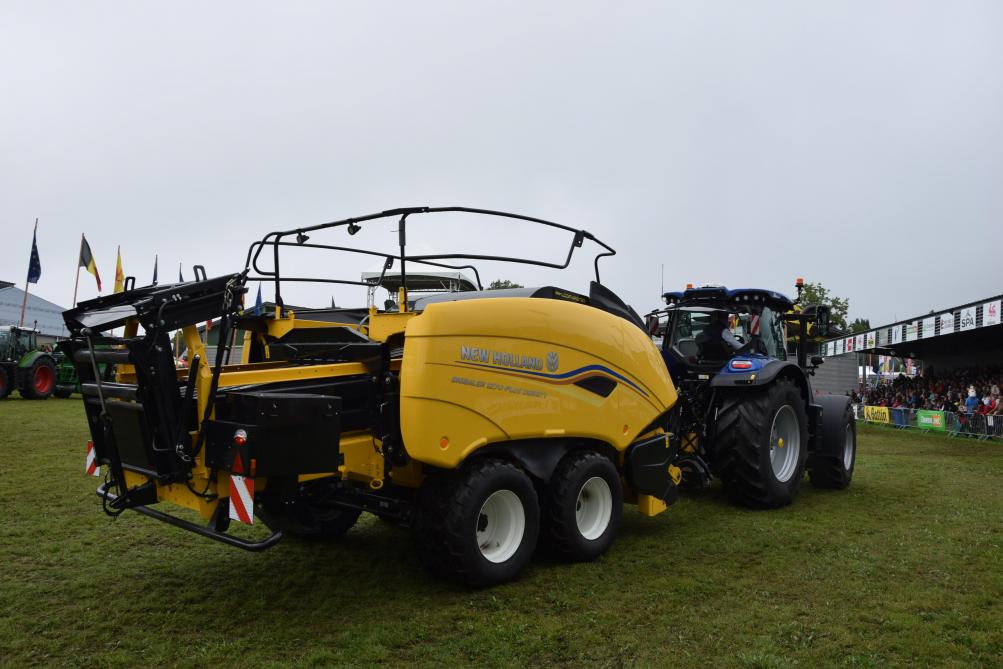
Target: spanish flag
(119, 274)
(87, 260)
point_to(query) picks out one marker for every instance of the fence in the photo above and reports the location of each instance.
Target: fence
(946, 422)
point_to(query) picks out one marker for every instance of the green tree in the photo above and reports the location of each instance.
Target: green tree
(816, 293)
(498, 284)
(860, 325)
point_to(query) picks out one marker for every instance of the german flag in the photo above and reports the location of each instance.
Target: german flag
(87, 260)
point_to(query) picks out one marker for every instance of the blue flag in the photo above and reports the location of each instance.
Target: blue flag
(34, 264)
(257, 303)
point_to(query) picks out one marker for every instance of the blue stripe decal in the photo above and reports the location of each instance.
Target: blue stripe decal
(558, 377)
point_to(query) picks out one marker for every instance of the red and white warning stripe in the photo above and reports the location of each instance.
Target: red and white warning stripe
(242, 499)
(754, 327)
(91, 465)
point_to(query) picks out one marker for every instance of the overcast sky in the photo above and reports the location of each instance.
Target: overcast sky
(859, 144)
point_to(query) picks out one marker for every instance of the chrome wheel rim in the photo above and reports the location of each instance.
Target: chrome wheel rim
(785, 443)
(501, 525)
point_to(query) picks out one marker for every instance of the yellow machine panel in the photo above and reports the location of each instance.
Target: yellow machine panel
(486, 370)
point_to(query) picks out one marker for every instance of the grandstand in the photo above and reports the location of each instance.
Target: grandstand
(968, 335)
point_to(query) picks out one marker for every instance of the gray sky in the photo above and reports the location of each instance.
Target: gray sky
(741, 143)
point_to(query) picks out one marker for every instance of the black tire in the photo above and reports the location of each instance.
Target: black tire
(63, 392)
(307, 516)
(38, 381)
(5, 381)
(832, 468)
(452, 529)
(743, 444)
(562, 533)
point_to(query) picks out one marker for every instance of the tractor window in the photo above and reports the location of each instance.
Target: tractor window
(771, 332)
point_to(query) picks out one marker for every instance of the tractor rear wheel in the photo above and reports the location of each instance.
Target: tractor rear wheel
(39, 380)
(4, 382)
(833, 467)
(762, 443)
(480, 525)
(584, 506)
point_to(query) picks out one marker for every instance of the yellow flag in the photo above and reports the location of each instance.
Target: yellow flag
(119, 274)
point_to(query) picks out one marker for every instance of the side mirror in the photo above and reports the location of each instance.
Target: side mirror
(822, 320)
(817, 360)
(652, 324)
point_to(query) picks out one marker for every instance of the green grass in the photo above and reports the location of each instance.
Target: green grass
(903, 569)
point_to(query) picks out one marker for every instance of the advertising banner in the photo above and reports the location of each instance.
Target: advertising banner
(872, 339)
(876, 414)
(991, 313)
(897, 334)
(946, 323)
(967, 321)
(859, 344)
(849, 344)
(930, 420)
(841, 347)
(912, 331)
(929, 327)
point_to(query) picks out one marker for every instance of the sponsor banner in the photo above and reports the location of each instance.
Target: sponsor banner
(859, 344)
(897, 334)
(849, 344)
(841, 347)
(929, 327)
(930, 420)
(967, 321)
(946, 323)
(991, 313)
(876, 414)
(912, 331)
(830, 348)
(872, 339)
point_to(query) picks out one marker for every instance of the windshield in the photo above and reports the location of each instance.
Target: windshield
(699, 333)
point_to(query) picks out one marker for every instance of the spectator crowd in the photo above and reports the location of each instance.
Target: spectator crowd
(974, 390)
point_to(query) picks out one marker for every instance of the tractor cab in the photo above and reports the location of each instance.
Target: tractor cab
(713, 329)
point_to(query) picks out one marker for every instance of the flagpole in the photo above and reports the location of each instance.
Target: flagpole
(24, 301)
(77, 282)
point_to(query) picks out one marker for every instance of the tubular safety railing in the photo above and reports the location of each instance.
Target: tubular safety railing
(960, 424)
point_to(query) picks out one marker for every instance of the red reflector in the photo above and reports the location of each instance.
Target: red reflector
(240, 437)
(741, 364)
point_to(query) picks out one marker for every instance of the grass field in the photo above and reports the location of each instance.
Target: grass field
(903, 569)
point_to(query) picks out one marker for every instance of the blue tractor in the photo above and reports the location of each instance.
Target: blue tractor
(748, 415)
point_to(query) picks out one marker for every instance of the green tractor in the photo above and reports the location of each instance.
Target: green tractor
(24, 366)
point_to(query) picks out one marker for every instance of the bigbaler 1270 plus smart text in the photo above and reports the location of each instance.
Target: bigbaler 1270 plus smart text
(484, 420)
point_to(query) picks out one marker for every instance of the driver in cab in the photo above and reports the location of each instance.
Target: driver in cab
(717, 342)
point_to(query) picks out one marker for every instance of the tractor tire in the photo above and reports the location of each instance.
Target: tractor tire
(833, 467)
(583, 508)
(62, 392)
(5, 382)
(307, 517)
(480, 525)
(753, 431)
(38, 381)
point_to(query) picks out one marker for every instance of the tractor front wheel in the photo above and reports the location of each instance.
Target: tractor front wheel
(480, 525)
(762, 444)
(39, 380)
(4, 382)
(832, 467)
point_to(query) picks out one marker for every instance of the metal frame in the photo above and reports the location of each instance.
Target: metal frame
(275, 240)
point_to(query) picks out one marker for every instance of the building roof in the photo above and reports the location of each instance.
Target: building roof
(46, 316)
(971, 326)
